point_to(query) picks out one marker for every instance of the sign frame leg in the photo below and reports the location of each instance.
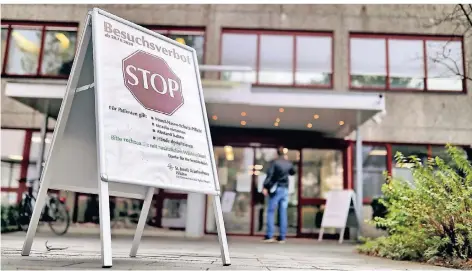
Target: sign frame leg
(105, 226)
(320, 236)
(220, 226)
(33, 225)
(142, 222)
(341, 235)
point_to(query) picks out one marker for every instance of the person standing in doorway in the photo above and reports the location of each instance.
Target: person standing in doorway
(276, 187)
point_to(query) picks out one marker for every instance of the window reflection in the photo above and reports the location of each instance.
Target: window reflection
(322, 172)
(403, 171)
(445, 65)
(12, 151)
(4, 43)
(276, 60)
(239, 50)
(34, 151)
(374, 165)
(23, 54)
(235, 173)
(372, 73)
(410, 60)
(58, 52)
(174, 212)
(314, 59)
(10, 173)
(196, 41)
(406, 64)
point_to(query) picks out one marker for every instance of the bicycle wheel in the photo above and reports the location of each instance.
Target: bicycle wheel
(61, 219)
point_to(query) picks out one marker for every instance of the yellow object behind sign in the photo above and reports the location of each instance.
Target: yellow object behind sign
(180, 40)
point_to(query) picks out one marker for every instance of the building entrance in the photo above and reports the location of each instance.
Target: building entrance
(242, 170)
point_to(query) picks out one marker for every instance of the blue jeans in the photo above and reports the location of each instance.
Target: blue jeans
(280, 199)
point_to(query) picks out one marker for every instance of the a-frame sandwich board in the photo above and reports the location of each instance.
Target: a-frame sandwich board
(133, 119)
(340, 212)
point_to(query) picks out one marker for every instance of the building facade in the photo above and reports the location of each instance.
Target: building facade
(278, 53)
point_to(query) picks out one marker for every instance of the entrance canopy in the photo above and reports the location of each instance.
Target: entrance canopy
(230, 104)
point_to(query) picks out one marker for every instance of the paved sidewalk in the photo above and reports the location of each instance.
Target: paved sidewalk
(173, 252)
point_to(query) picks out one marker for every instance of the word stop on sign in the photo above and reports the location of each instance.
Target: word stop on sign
(152, 82)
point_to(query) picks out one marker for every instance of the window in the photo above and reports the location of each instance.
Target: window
(38, 49)
(282, 58)
(403, 171)
(4, 41)
(322, 172)
(240, 50)
(374, 165)
(35, 147)
(415, 63)
(194, 38)
(12, 155)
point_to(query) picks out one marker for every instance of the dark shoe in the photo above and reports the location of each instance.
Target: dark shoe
(268, 240)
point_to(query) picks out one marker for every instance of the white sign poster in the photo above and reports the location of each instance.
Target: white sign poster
(337, 207)
(227, 201)
(336, 212)
(291, 184)
(223, 175)
(260, 181)
(151, 115)
(243, 182)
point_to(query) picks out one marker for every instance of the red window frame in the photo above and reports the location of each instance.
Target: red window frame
(424, 39)
(182, 30)
(9, 25)
(292, 33)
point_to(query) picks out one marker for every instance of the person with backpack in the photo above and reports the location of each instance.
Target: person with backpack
(276, 187)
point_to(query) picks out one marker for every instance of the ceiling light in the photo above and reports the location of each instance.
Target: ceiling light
(316, 116)
(309, 125)
(243, 114)
(276, 124)
(277, 120)
(215, 117)
(243, 122)
(281, 110)
(341, 122)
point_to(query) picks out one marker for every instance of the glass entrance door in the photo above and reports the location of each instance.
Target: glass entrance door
(322, 171)
(234, 165)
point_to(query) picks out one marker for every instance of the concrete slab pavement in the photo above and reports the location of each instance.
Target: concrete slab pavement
(177, 253)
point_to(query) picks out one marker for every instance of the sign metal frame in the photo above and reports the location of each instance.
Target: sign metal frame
(89, 38)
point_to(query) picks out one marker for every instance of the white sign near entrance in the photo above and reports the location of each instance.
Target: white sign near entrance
(133, 119)
(150, 110)
(336, 212)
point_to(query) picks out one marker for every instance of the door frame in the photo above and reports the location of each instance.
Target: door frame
(272, 138)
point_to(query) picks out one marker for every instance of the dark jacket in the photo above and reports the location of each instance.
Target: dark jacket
(278, 173)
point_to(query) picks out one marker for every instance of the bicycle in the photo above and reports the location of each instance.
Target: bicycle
(54, 211)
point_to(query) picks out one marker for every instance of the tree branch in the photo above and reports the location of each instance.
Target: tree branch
(465, 13)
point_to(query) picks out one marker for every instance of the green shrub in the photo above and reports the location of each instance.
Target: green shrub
(9, 218)
(430, 218)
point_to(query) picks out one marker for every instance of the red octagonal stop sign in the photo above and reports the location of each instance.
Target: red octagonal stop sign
(152, 82)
